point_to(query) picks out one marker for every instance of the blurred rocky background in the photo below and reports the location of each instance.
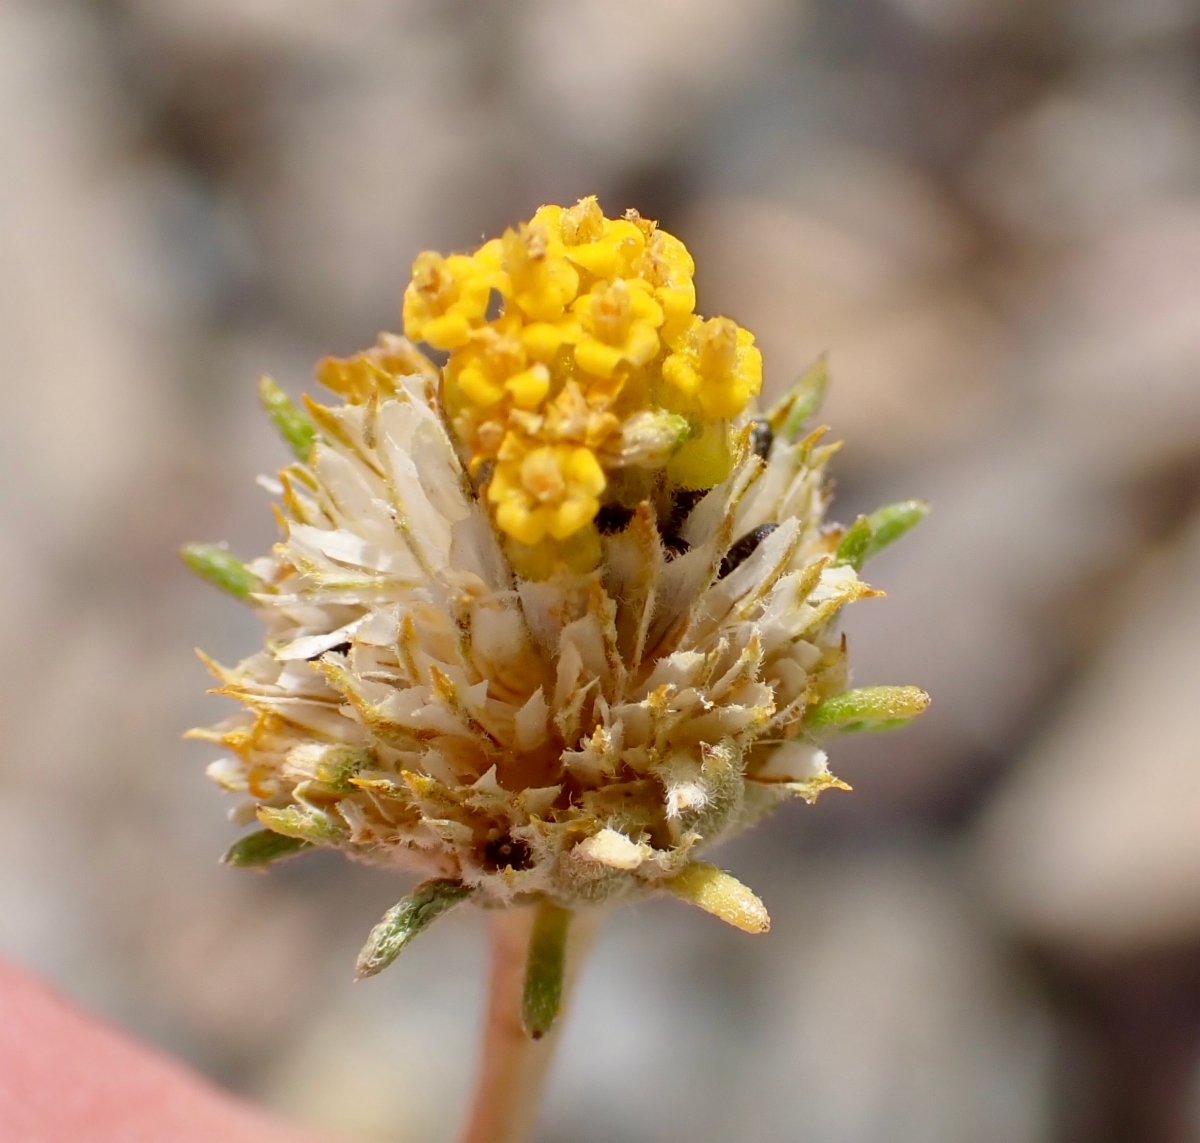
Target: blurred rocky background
(988, 211)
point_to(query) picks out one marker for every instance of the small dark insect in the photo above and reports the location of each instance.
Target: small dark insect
(674, 546)
(744, 548)
(761, 437)
(613, 518)
(683, 500)
(507, 853)
(340, 648)
(495, 306)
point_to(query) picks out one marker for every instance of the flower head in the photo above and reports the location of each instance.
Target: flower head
(548, 622)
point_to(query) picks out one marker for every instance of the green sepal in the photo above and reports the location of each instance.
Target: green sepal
(217, 564)
(541, 1000)
(263, 847)
(871, 534)
(801, 401)
(867, 709)
(293, 423)
(404, 921)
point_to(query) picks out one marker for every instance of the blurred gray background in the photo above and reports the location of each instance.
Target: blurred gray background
(987, 210)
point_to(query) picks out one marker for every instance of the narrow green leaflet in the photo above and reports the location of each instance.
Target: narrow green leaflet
(871, 534)
(853, 547)
(542, 997)
(801, 401)
(263, 847)
(292, 422)
(867, 709)
(404, 921)
(221, 568)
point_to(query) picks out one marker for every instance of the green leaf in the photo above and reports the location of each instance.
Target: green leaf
(542, 997)
(853, 546)
(801, 401)
(867, 708)
(293, 424)
(221, 568)
(263, 847)
(871, 534)
(404, 921)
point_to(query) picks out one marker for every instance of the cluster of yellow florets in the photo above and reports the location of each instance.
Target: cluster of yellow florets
(595, 366)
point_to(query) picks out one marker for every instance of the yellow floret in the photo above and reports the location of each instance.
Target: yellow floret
(543, 282)
(616, 253)
(480, 372)
(669, 269)
(717, 364)
(570, 417)
(550, 490)
(620, 323)
(578, 224)
(448, 297)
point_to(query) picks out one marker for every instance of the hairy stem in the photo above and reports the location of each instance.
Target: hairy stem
(513, 1068)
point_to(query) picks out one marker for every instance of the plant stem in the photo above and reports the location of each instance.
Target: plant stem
(513, 1068)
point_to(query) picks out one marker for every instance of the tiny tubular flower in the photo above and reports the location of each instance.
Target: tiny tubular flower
(580, 224)
(718, 364)
(543, 282)
(551, 489)
(448, 297)
(669, 269)
(479, 372)
(620, 326)
(569, 417)
(616, 253)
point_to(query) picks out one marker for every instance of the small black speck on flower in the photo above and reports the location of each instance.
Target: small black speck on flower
(507, 853)
(675, 546)
(613, 518)
(495, 306)
(683, 500)
(744, 548)
(339, 648)
(762, 436)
